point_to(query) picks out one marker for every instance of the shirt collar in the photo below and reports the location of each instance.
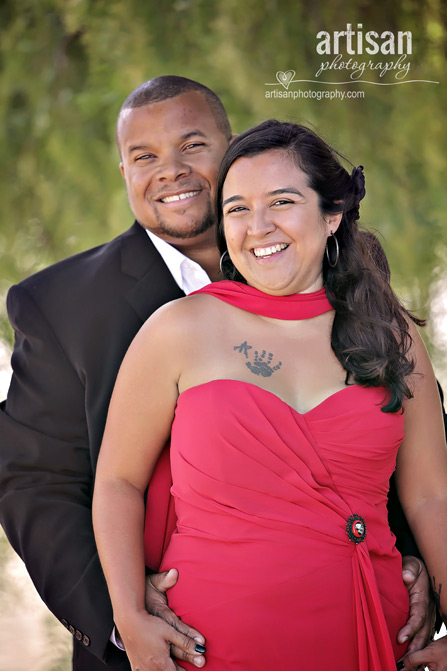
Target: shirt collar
(188, 274)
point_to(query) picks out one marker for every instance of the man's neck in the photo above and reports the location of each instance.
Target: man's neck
(203, 250)
(209, 260)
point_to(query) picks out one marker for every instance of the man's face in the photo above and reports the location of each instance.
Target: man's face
(171, 152)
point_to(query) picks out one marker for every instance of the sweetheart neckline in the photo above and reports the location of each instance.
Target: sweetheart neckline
(271, 393)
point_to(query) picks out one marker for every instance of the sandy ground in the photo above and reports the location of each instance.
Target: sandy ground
(31, 638)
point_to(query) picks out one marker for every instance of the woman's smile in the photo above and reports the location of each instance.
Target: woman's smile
(267, 252)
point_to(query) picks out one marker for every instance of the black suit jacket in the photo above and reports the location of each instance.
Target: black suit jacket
(73, 324)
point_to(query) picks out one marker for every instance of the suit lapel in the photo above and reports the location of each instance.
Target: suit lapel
(154, 285)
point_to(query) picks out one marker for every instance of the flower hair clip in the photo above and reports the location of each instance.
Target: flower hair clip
(358, 179)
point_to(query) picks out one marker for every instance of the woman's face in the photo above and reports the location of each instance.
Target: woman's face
(275, 231)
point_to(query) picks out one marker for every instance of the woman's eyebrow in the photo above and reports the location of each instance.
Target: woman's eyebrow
(286, 189)
(276, 192)
(231, 199)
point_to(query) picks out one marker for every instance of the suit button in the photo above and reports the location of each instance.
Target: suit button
(72, 630)
(86, 640)
(78, 635)
(65, 623)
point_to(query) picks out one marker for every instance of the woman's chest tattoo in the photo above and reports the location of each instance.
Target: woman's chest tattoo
(259, 362)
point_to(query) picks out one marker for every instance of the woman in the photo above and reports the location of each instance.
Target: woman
(284, 392)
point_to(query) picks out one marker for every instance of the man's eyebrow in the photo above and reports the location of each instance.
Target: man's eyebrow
(186, 136)
(193, 133)
(138, 147)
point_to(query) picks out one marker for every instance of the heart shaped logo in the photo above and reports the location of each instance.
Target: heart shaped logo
(285, 78)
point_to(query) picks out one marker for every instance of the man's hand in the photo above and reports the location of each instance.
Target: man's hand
(148, 641)
(434, 656)
(157, 604)
(420, 626)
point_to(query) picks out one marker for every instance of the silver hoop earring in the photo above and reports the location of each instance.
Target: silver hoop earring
(337, 251)
(222, 260)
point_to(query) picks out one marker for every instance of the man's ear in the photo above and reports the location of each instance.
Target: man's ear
(233, 137)
(122, 169)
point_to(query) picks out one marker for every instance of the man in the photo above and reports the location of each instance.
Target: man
(73, 324)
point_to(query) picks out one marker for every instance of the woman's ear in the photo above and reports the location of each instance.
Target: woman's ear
(333, 221)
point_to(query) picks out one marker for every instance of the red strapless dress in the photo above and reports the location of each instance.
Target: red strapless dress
(285, 556)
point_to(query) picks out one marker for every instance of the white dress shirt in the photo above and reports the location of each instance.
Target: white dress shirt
(187, 273)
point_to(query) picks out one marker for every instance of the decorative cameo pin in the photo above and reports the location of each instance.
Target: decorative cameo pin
(356, 529)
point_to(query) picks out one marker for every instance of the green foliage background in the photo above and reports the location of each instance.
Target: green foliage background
(66, 66)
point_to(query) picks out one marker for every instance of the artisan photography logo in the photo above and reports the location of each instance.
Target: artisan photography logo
(355, 56)
(284, 78)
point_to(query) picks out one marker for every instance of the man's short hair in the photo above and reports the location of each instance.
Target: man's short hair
(170, 86)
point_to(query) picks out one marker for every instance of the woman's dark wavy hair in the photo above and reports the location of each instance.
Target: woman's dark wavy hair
(370, 334)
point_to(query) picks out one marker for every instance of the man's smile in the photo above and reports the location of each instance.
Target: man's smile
(180, 196)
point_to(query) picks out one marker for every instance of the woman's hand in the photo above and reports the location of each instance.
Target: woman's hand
(420, 626)
(148, 641)
(157, 604)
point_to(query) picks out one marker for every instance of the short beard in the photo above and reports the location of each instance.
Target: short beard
(198, 227)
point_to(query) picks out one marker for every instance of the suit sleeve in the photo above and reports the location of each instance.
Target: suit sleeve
(399, 526)
(405, 542)
(46, 480)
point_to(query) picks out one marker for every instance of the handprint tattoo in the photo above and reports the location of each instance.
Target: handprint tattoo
(262, 363)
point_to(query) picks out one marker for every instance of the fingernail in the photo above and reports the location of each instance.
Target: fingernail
(408, 572)
(200, 649)
(199, 661)
(404, 639)
(400, 665)
(199, 639)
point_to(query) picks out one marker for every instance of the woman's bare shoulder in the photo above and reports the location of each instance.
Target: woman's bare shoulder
(182, 319)
(185, 310)
(164, 344)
